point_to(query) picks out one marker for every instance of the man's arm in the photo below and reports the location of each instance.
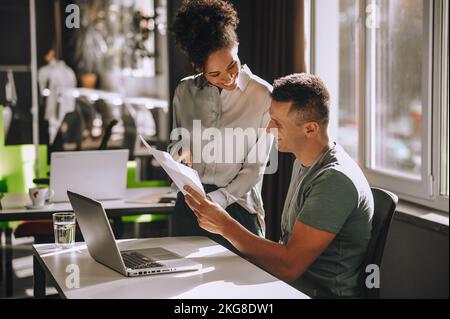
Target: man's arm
(287, 262)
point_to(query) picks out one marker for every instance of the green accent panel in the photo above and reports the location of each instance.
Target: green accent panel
(2, 131)
(17, 166)
(144, 218)
(9, 224)
(43, 167)
(133, 182)
(2, 140)
(3, 186)
(17, 163)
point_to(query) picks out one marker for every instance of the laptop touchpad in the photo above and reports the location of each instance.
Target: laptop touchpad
(158, 253)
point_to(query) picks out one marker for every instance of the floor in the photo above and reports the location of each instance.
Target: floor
(23, 259)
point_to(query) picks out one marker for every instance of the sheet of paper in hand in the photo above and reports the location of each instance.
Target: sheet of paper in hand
(180, 174)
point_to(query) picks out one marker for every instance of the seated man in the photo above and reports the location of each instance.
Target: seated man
(327, 216)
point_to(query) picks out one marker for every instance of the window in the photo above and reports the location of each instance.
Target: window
(395, 86)
(398, 96)
(385, 63)
(335, 62)
(444, 187)
(443, 93)
(348, 112)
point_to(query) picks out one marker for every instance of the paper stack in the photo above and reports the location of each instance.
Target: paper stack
(180, 174)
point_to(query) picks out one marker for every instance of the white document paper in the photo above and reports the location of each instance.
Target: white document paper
(180, 174)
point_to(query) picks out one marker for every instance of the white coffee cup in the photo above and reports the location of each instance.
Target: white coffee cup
(39, 195)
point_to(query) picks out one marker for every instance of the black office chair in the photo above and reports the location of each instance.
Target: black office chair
(385, 204)
(107, 135)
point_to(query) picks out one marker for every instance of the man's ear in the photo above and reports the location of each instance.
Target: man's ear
(312, 128)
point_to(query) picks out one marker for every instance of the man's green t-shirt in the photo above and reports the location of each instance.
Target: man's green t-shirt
(333, 195)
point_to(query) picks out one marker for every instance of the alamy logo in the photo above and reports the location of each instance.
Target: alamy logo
(73, 17)
(373, 277)
(73, 279)
(210, 145)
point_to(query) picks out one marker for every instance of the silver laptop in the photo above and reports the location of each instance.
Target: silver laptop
(99, 174)
(102, 245)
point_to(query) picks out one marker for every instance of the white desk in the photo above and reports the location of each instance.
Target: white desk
(224, 274)
(13, 205)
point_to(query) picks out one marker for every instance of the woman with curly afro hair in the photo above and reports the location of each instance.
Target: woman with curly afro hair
(223, 95)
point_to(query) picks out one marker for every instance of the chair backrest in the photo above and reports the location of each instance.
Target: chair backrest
(107, 135)
(385, 204)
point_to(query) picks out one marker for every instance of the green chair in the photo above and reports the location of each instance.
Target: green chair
(144, 219)
(17, 168)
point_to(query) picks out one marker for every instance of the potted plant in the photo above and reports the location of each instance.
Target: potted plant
(90, 45)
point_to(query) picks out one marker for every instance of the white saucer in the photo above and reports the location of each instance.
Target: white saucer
(48, 206)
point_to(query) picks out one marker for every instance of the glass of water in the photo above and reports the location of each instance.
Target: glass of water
(64, 226)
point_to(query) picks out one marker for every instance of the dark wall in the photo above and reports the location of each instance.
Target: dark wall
(15, 50)
(244, 31)
(14, 32)
(416, 260)
(67, 38)
(179, 66)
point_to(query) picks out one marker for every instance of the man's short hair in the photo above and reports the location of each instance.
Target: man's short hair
(309, 96)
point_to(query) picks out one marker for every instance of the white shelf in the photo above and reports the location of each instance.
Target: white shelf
(117, 98)
(15, 68)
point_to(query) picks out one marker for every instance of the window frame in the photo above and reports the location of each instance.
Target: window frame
(425, 192)
(441, 97)
(402, 185)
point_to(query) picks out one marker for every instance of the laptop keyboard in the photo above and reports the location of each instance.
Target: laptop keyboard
(135, 260)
